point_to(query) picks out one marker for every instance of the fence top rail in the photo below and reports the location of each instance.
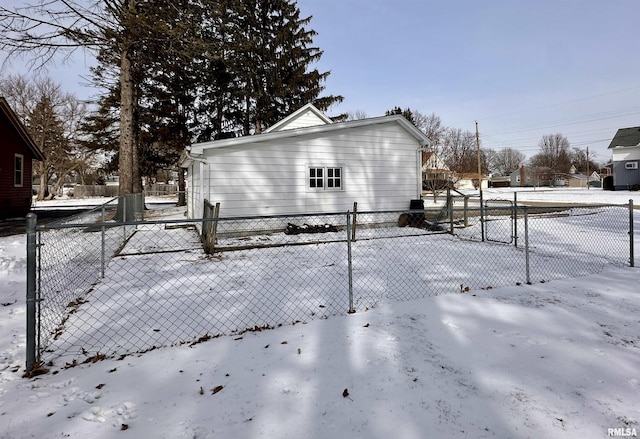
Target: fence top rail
(112, 224)
(534, 204)
(189, 221)
(86, 212)
(543, 205)
(258, 217)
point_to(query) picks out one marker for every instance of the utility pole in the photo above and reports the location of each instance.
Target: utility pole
(479, 162)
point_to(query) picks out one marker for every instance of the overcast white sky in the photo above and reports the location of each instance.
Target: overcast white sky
(520, 68)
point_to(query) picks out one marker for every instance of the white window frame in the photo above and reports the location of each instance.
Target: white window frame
(326, 181)
(18, 170)
(631, 165)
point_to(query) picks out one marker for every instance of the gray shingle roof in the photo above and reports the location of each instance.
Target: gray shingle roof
(626, 137)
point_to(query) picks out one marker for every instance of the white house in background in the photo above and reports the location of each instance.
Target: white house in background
(308, 164)
(625, 148)
(434, 168)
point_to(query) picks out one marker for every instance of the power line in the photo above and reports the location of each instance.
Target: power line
(557, 104)
(588, 118)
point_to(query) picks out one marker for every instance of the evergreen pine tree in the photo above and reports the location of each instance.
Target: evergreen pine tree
(273, 55)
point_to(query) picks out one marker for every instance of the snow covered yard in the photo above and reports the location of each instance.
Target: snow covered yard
(552, 359)
(162, 290)
(549, 360)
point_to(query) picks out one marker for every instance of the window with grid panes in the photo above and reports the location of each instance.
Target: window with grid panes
(316, 179)
(325, 178)
(18, 170)
(334, 178)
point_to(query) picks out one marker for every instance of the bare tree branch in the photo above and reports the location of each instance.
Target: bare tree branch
(51, 28)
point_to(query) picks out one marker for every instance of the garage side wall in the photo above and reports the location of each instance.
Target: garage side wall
(379, 165)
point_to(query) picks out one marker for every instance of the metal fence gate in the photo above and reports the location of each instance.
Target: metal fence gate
(499, 220)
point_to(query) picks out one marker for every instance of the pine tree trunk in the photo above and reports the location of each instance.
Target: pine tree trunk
(247, 119)
(135, 161)
(182, 196)
(126, 157)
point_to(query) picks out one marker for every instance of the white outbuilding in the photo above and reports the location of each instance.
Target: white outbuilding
(308, 164)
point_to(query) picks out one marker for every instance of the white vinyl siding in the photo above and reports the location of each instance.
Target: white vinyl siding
(305, 120)
(307, 116)
(196, 199)
(378, 169)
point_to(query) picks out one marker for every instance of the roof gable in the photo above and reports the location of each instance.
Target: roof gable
(306, 116)
(432, 161)
(626, 137)
(6, 110)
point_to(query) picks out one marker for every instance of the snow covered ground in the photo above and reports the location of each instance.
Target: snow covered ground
(554, 359)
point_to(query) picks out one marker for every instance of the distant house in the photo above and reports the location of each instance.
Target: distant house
(436, 175)
(500, 181)
(577, 179)
(308, 164)
(521, 177)
(17, 153)
(537, 177)
(625, 148)
(595, 179)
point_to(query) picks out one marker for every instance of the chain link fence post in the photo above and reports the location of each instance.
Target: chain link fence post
(450, 212)
(526, 244)
(355, 221)
(102, 241)
(31, 292)
(481, 213)
(139, 208)
(349, 266)
(124, 217)
(631, 255)
(466, 211)
(515, 219)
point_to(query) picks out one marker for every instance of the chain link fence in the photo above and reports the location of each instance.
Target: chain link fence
(106, 288)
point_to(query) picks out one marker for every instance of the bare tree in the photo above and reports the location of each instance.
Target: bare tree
(584, 163)
(460, 151)
(52, 28)
(356, 115)
(554, 154)
(52, 118)
(505, 161)
(436, 175)
(432, 126)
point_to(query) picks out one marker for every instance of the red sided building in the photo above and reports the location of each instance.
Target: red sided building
(17, 151)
